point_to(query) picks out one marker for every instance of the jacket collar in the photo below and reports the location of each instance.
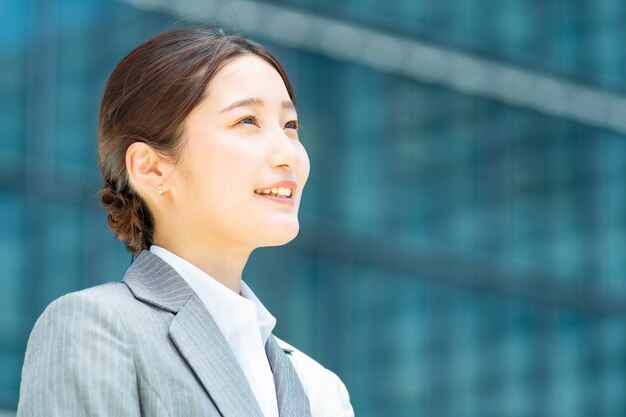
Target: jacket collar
(202, 345)
(154, 281)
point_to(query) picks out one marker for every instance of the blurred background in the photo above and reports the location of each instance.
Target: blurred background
(461, 250)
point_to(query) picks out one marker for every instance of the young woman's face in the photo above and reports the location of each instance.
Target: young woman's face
(241, 139)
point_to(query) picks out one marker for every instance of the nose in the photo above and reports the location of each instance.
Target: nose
(285, 149)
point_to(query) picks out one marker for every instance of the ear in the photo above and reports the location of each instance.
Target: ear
(146, 170)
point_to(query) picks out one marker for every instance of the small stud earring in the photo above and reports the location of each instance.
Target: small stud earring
(161, 190)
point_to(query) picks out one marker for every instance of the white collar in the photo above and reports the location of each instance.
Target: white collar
(224, 305)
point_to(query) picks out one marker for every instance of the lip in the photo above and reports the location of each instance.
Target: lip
(282, 200)
(283, 183)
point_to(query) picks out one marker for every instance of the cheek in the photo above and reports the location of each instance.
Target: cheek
(305, 165)
(224, 173)
(205, 172)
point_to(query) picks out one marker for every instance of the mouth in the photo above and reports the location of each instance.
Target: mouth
(281, 193)
(282, 189)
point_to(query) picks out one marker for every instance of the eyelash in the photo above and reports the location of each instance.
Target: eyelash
(297, 125)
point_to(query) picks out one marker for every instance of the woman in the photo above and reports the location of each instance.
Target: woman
(199, 150)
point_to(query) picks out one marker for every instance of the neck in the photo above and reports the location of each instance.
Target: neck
(225, 266)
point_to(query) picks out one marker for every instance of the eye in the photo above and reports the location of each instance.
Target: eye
(248, 118)
(293, 124)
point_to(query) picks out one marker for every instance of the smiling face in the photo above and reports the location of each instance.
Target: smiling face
(243, 137)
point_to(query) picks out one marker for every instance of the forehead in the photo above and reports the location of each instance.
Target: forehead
(244, 76)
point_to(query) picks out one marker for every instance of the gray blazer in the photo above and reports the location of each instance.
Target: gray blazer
(145, 346)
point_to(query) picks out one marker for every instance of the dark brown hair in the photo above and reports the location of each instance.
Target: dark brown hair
(147, 99)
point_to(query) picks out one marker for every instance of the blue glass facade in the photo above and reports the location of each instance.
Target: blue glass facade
(464, 223)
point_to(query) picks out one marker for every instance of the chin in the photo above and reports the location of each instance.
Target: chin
(280, 238)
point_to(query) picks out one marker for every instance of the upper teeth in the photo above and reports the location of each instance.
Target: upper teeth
(281, 191)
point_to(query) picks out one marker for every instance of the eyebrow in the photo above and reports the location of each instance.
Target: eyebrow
(255, 101)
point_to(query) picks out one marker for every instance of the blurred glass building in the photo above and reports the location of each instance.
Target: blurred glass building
(463, 230)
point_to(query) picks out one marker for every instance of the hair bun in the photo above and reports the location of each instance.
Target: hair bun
(127, 218)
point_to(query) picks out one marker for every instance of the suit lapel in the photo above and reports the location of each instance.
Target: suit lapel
(195, 334)
(292, 400)
(201, 343)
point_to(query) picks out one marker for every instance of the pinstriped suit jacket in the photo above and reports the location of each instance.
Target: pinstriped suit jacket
(144, 347)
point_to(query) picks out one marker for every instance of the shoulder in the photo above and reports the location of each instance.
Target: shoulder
(78, 354)
(327, 393)
(110, 296)
(77, 327)
(99, 306)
